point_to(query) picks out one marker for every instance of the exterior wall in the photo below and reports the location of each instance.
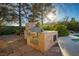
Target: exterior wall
(39, 44)
(43, 42)
(49, 41)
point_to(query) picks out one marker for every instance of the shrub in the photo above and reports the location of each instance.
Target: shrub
(62, 30)
(47, 27)
(8, 30)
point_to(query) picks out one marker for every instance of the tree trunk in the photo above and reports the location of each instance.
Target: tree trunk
(33, 12)
(42, 14)
(20, 24)
(42, 17)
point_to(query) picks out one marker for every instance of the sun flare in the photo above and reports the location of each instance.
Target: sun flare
(50, 18)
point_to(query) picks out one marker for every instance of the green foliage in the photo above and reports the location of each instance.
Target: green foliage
(62, 30)
(6, 30)
(6, 13)
(72, 24)
(47, 27)
(72, 19)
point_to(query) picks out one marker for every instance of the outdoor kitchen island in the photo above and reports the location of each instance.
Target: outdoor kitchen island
(38, 38)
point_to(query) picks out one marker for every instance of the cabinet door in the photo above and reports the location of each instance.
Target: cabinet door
(34, 39)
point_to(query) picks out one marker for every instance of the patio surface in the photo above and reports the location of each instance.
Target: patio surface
(10, 45)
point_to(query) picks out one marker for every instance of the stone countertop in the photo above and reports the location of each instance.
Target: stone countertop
(68, 47)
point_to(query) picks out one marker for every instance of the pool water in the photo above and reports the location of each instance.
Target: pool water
(76, 35)
(75, 40)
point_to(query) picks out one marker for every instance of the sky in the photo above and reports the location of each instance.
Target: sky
(64, 10)
(67, 10)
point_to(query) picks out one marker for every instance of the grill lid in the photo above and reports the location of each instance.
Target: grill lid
(36, 29)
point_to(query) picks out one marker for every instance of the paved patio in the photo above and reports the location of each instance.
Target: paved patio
(11, 46)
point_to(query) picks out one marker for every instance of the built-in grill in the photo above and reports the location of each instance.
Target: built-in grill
(40, 39)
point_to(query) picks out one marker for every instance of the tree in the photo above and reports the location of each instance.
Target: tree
(62, 30)
(6, 13)
(18, 11)
(42, 10)
(36, 10)
(20, 16)
(73, 24)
